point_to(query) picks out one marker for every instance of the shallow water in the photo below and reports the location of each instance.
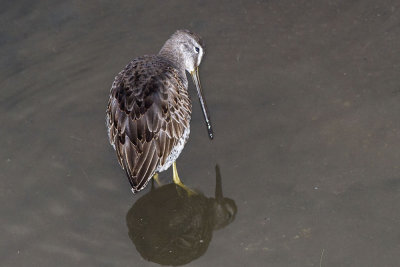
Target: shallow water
(304, 99)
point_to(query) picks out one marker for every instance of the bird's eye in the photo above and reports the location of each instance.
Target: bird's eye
(197, 49)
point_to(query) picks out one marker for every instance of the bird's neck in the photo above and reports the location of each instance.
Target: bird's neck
(173, 54)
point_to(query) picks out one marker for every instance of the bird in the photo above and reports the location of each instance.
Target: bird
(149, 110)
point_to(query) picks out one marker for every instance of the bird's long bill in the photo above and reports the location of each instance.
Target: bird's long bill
(196, 80)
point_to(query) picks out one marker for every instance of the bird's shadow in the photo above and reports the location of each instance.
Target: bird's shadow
(171, 226)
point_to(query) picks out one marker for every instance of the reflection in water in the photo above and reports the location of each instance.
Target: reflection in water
(169, 226)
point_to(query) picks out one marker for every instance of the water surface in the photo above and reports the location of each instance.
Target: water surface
(304, 99)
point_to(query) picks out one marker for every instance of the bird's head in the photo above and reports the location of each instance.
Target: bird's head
(187, 49)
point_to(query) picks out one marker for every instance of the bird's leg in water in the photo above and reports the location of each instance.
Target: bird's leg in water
(178, 181)
(155, 178)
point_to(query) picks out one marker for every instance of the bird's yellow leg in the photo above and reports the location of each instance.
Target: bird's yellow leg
(176, 176)
(155, 178)
(178, 181)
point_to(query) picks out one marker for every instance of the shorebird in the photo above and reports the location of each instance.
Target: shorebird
(149, 110)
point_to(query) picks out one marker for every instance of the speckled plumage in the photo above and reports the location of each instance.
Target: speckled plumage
(148, 115)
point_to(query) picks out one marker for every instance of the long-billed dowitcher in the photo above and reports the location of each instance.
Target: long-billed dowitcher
(149, 109)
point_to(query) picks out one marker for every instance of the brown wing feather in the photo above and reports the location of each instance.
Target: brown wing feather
(147, 113)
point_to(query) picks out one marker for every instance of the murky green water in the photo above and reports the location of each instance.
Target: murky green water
(304, 98)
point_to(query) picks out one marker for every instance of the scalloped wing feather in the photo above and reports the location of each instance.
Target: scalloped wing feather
(147, 114)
